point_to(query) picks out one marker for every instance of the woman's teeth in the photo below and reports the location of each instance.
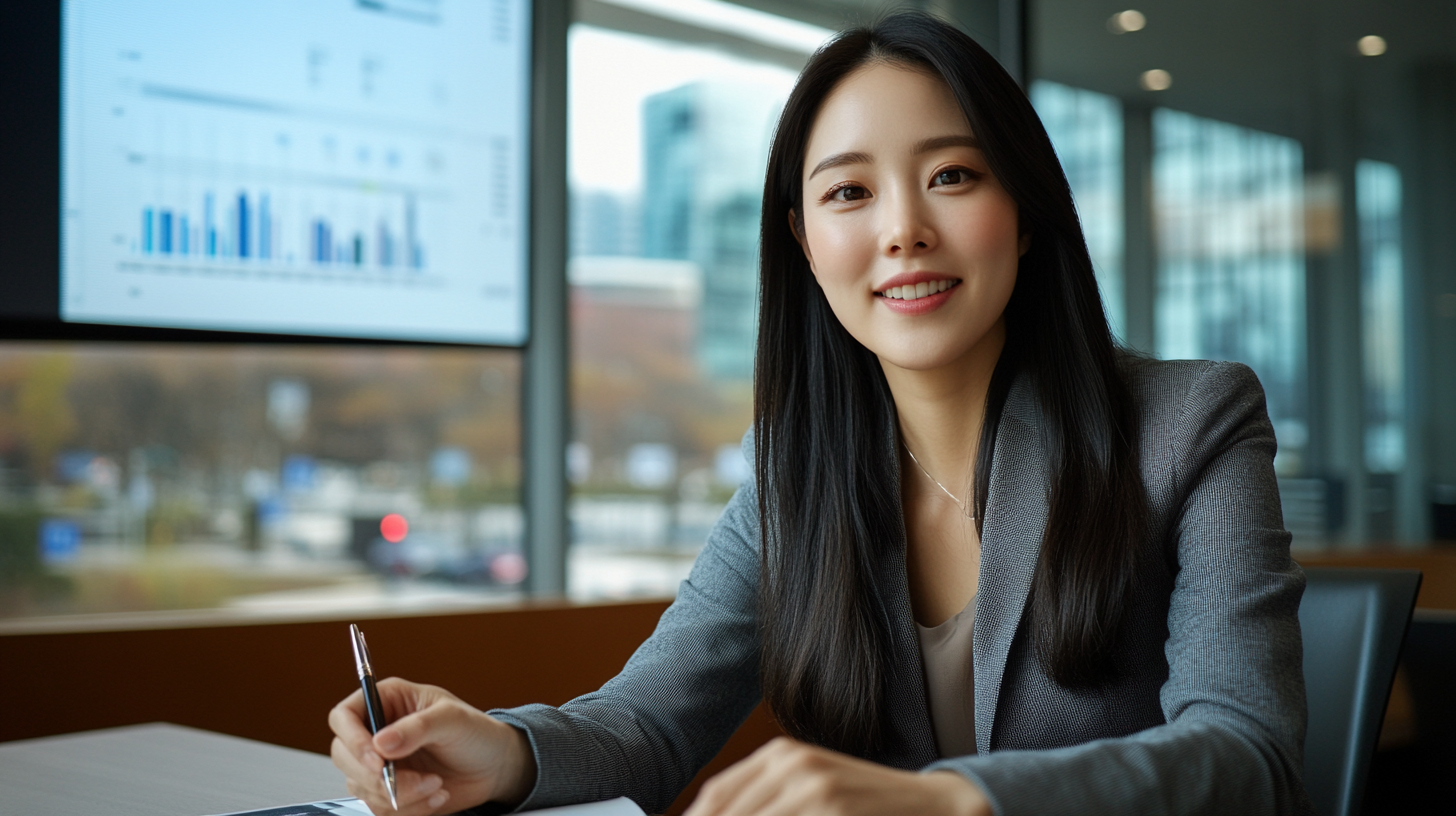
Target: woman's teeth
(918, 290)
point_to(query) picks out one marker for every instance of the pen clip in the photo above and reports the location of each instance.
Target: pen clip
(361, 652)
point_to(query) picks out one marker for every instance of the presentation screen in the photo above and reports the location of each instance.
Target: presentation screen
(349, 168)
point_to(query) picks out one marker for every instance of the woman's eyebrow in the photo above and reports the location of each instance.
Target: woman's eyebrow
(841, 159)
(940, 142)
(922, 146)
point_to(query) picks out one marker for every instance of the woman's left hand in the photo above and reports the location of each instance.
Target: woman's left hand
(789, 778)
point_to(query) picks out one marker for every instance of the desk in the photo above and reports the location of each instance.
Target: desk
(157, 770)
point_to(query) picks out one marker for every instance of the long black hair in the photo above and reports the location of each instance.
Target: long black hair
(825, 421)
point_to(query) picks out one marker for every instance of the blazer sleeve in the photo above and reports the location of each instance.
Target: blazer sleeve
(1234, 700)
(647, 732)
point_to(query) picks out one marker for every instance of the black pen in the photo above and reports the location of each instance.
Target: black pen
(373, 709)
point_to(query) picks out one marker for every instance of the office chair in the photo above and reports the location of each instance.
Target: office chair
(1354, 623)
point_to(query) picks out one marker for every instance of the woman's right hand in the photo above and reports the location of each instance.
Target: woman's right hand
(448, 755)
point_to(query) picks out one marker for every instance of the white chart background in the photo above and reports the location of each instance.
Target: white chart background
(400, 125)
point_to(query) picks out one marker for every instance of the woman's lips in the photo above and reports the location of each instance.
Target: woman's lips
(909, 288)
(920, 305)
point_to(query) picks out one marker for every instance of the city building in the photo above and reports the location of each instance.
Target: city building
(704, 150)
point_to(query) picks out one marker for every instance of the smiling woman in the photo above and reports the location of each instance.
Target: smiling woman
(916, 144)
(896, 225)
(1056, 638)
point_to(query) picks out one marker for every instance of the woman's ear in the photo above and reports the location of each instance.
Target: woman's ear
(1023, 244)
(796, 226)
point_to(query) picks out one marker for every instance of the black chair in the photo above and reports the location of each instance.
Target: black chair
(1415, 775)
(1354, 623)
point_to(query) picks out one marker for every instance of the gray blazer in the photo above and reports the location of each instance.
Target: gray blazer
(1210, 717)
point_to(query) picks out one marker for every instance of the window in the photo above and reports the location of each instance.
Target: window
(669, 143)
(1086, 129)
(1377, 194)
(1382, 295)
(1229, 210)
(256, 479)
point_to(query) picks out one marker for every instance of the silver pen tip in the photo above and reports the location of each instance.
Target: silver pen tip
(361, 651)
(389, 784)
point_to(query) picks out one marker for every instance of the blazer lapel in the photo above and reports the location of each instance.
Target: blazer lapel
(1016, 514)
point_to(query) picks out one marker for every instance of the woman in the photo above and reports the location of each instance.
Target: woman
(988, 563)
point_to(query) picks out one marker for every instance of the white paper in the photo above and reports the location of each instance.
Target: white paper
(611, 807)
(326, 807)
(353, 807)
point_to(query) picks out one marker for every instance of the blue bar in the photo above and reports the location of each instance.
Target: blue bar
(182, 233)
(323, 240)
(147, 230)
(358, 249)
(165, 230)
(411, 237)
(207, 224)
(242, 225)
(386, 251)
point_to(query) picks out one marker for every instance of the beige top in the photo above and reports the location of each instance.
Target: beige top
(950, 687)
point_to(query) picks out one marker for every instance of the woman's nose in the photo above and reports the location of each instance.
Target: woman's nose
(907, 230)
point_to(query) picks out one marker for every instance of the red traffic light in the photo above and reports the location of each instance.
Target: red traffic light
(394, 528)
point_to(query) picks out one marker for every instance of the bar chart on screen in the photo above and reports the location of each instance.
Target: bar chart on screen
(380, 233)
(330, 168)
(249, 230)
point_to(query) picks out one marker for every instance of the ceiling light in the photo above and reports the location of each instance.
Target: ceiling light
(1157, 80)
(1125, 21)
(1371, 46)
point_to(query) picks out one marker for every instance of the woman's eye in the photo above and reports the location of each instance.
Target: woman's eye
(847, 192)
(955, 175)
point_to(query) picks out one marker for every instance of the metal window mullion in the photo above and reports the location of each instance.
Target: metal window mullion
(545, 395)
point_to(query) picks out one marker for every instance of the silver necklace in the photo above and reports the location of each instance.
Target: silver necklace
(959, 503)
